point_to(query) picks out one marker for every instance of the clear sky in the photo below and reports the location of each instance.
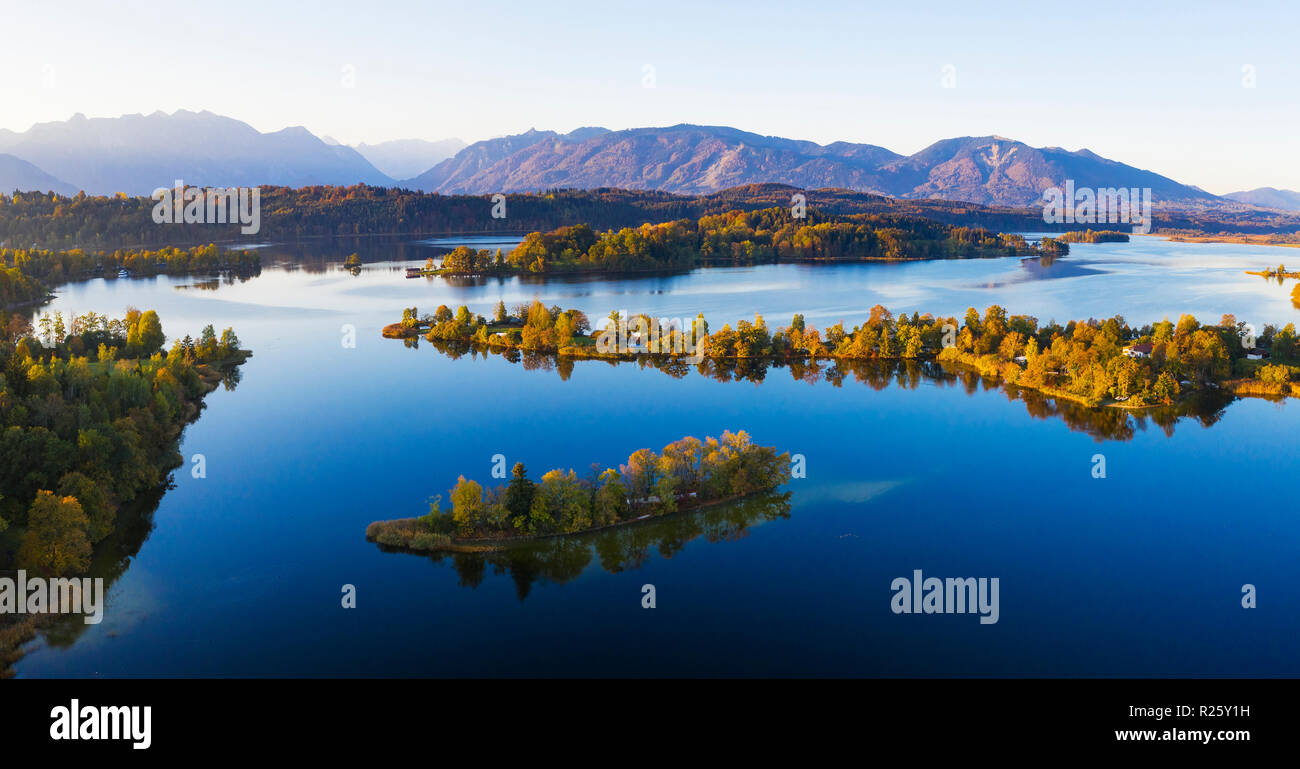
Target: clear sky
(1162, 85)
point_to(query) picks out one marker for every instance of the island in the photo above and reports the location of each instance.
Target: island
(1093, 236)
(740, 237)
(1279, 273)
(1094, 362)
(688, 474)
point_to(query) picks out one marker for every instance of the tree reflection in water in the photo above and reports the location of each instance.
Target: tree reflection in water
(562, 558)
(1102, 423)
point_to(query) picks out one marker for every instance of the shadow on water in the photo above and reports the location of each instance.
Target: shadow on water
(1204, 407)
(110, 558)
(622, 548)
(110, 561)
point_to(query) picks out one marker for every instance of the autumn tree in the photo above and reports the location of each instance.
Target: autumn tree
(56, 541)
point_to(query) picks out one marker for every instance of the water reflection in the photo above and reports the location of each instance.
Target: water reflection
(1204, 407)
(109, 562)
(216, 282)
(623, 548)
(110, 558)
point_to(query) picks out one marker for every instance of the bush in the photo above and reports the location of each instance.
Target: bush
(426, 540)
(1274, 374)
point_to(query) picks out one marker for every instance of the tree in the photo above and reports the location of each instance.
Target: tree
(579, 322)
(561, 504)
(519, 494)
(666, 490)
(95, 503)
(147, 334)
(640, 473)
(539, 317)
(466, 506)
(610, 503)
(229, 342)
(56, 541)
(563, 331)
(500, 315)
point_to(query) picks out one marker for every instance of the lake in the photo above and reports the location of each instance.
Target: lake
(1139, 573)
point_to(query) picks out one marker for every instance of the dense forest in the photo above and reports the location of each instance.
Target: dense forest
(90, 412)
(25, 274)
(1094, 236)
(686, 474)
(56, 221)
(746, 237)
(1092, 361)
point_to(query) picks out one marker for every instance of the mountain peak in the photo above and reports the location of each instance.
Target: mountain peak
(136, 154)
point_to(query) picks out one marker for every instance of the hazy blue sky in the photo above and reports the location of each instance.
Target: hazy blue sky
(1157, 85)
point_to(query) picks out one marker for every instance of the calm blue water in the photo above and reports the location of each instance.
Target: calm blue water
(1137, 574)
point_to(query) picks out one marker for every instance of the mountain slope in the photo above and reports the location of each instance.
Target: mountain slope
(996, 170)
(452, 172)
(1268, 197)
(139, 153)
(682, 158)
(18, 174)
(691, 159)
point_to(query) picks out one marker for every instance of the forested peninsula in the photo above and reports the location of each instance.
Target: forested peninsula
(27, 274)
(1095, 362)
(91, 412)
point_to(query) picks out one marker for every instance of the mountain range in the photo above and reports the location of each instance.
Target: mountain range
(139, 153)
(18, 174)
(691, 159)
(1268, 197)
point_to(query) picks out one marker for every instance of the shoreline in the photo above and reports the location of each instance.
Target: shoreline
(1241, 387)
(704, 264)
(408, 527)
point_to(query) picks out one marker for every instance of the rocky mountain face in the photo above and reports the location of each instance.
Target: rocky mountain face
(693, 159)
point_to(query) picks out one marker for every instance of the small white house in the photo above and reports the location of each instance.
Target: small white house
(1138, 350)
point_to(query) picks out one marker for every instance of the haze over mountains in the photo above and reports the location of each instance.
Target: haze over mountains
(1268, 197)
(139, 153)
(404, 158)
(18, 174)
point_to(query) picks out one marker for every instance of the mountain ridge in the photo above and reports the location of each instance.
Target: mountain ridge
(694, 159)
(1268, 197)
(139, 153)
